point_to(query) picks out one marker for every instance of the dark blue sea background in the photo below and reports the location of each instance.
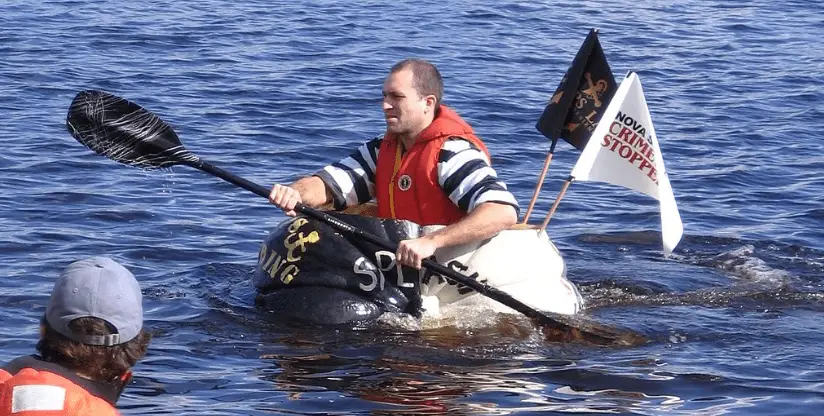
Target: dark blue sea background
(273, 90)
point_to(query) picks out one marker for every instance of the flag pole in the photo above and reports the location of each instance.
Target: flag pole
(560, 196)
(540, 180)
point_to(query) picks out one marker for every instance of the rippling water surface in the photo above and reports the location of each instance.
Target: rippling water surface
(273, 90)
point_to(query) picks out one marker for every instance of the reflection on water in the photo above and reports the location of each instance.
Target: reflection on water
(522, 384)
(455, 371)
(407, 387)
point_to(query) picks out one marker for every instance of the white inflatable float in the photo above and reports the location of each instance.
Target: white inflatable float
(307, 270)
(522, 262)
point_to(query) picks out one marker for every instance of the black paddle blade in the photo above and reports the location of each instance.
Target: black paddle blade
(581, 329)
(124, 131)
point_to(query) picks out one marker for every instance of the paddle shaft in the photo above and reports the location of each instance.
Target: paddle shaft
(488, 291)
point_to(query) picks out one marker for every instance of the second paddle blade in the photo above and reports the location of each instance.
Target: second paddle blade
(124, 131)
(581, 329)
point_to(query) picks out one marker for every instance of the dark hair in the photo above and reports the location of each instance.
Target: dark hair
(100, 363)
(425, 78)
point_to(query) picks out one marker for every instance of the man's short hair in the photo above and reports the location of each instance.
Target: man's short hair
(426, 79)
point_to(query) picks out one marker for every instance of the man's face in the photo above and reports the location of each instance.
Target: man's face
(403, 108)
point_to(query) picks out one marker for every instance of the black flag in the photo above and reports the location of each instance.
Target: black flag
(581, 98)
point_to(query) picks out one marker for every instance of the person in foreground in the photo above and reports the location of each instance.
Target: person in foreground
(428, 167)
(91, 336)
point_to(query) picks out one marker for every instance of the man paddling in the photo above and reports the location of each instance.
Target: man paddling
(428, 167)
(91, 336)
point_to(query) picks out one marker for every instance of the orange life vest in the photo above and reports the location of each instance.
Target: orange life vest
(50, 390)
(406, 184)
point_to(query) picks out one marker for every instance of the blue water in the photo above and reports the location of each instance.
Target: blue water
(273, 90)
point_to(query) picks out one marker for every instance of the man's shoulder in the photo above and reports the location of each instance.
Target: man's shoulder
(457, 144)
(61, 391)
(371, 145)
(467, 148)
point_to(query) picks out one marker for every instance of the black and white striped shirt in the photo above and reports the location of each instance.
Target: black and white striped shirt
(464, 173)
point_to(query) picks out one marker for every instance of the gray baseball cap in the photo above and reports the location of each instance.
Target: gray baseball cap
(97, 287)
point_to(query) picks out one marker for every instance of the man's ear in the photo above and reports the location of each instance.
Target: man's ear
(430, 103)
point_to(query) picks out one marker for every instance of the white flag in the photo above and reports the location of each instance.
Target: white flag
(623, 150)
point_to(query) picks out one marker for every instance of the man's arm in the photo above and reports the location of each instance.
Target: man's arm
(485, 221)
(309, 190)
(465, 174)
(345, 183)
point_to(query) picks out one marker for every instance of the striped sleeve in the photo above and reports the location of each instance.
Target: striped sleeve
(351, 181)
(465, 174)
